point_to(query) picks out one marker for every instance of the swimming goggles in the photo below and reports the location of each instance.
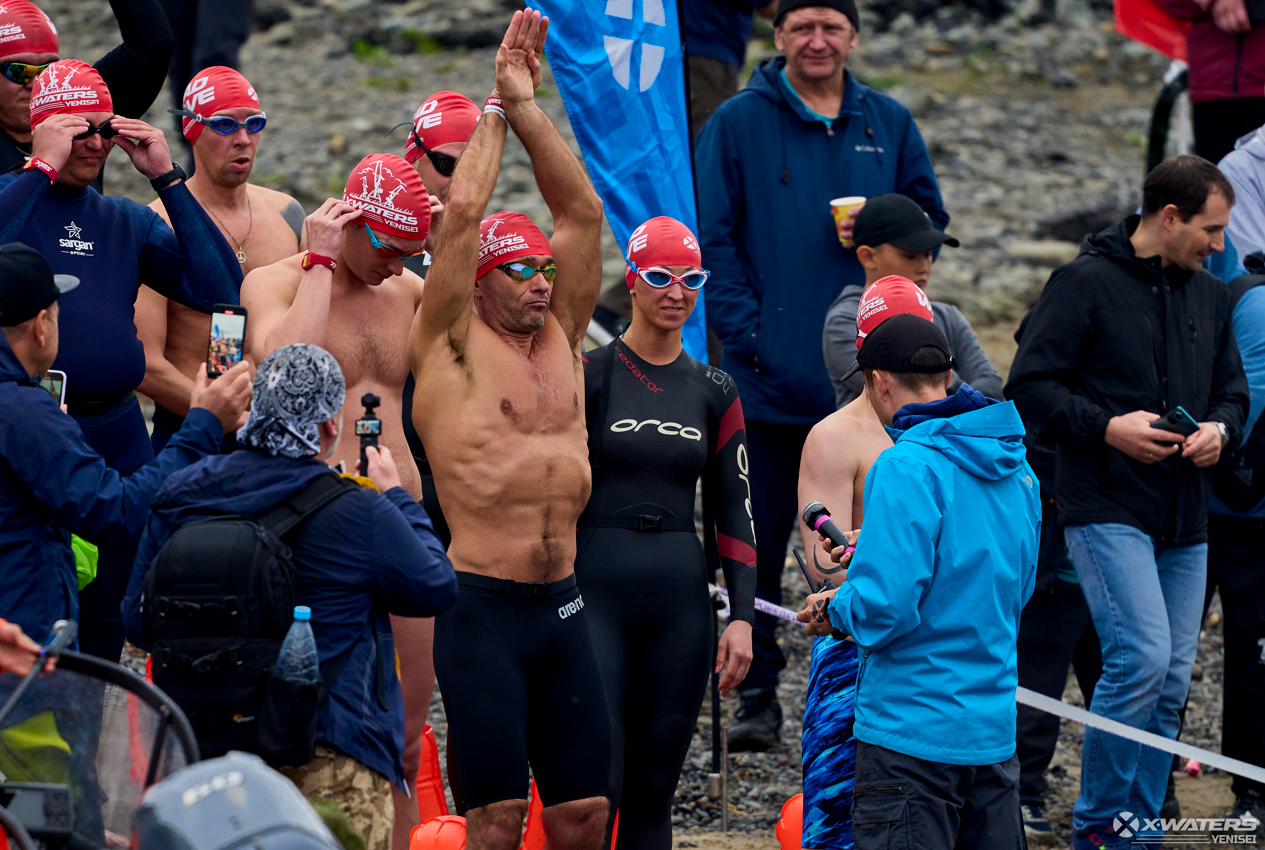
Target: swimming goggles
(388, 252)
(659, 277)
(105, 130)
(226, 125)
(20, 72)
(443, 163)
(523, 272)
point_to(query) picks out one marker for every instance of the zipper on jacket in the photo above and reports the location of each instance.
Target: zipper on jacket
(866, 789)
(1194, 333)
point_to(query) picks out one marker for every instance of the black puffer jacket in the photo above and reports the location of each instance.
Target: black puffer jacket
(1113, 334)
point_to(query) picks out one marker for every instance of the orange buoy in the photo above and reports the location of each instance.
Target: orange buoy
(431, 802)
(447, 832)
(790, 829)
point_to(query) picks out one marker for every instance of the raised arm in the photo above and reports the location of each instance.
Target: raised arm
(136, 69)
(563, 183)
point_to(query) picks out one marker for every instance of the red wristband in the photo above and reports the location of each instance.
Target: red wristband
(310, 259)
(494, 104)
(35, 162)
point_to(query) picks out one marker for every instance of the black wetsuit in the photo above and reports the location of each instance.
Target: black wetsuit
(134, 71)
(653, 432)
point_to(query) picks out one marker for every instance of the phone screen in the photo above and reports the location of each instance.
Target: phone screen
(55, 383)
(228, 339)
(368, 427)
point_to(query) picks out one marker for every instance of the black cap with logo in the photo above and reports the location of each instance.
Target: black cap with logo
(848, 7)
(897, 220)
(891, 347)
(27, 284)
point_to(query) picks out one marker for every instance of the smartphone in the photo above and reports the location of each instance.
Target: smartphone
(55, 382)
(1178, 421)
(228, 339)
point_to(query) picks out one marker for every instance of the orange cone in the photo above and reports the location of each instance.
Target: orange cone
(790, 829)
(431, 802)
(442, 833)
(534, 834)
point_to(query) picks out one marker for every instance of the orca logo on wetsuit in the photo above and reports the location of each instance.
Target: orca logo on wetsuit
(570, 608)
(668, 429)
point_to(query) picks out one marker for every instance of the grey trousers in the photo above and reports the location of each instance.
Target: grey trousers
(905, 803)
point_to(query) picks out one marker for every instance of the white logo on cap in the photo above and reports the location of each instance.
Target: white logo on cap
(493, 245)
(56, 92)
(377, 201)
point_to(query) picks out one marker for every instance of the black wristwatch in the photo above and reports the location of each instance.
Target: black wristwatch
(162, 181)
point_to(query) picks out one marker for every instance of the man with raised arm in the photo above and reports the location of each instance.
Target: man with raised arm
(496, 353)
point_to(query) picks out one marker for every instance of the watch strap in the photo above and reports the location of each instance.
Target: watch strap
(162, 181)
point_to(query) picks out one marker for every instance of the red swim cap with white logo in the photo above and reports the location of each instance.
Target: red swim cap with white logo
(68, 86)
(508, 236)
(662, 241)
(213, 90)
(890, 296)
(442, 118)
(390, 196)
(24, 28)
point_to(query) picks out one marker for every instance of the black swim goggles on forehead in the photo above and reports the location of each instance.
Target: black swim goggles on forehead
(105, 130)
(443, 163)
(20, 72)
(226, 125)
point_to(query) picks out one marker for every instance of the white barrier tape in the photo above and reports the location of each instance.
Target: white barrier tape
(1085, 718)
(762, 605)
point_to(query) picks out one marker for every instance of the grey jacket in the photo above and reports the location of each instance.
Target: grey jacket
(839, 345)
(1244, 167)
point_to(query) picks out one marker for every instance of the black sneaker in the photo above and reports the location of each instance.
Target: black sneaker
(1035, 826)
(757, 722)
(1171, 810)
(1249, 804)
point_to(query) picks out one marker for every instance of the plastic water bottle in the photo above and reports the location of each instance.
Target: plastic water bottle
(298, 662)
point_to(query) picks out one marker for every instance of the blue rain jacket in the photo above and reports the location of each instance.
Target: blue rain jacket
(946, 560)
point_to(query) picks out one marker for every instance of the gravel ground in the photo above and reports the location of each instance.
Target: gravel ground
(1034, 131)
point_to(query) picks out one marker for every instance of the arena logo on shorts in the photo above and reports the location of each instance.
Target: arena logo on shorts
(669, 429)
(378, 200)
(570, 608)
(632, 367)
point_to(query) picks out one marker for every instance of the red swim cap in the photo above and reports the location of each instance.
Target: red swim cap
(24, 28)
(213, 90)
(390, 196)
(890, 296)
(68, 86)
(662, 241)
(507, 236)
(442, 118)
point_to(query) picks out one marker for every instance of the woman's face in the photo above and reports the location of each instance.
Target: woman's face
(666, 308)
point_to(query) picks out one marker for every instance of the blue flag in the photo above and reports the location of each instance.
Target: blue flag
(621, 72)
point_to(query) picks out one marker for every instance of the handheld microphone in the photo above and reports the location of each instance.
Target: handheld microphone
(817, 518)
(368, 429)
(64, 632)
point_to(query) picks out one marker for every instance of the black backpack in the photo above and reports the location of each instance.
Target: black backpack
(1238, 479)
(219, 599)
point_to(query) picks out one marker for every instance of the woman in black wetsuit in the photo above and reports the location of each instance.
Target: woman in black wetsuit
(659, 420)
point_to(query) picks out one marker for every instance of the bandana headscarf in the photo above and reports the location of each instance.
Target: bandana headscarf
(213, 90)
(68, 86)
(890, 296)
(297, 387)
(662, 241)
(390, 196)
(506, 236)
(444, 117)
(24, 28)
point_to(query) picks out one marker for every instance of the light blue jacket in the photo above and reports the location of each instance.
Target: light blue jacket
(944, 565)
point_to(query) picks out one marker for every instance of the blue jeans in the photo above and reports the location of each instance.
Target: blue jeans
(1146, 601)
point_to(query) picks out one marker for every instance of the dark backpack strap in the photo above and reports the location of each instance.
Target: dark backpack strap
(1240, 287)
(291, 513)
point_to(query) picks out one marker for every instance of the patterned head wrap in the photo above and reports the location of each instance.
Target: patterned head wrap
(297, 387)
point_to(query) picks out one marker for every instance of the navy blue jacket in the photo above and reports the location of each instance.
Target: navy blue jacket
(52, 484)
(113, 245)
(767, 171)
(360, 558)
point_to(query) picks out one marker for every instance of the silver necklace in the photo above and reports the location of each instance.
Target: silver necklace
(241, 255)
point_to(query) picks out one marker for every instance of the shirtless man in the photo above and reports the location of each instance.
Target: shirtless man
(838, 454)
(498, 340)
(351, 295)
(261, 225)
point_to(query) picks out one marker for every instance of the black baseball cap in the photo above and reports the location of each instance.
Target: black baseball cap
(27, 284)
(892, 344)
(897, 220)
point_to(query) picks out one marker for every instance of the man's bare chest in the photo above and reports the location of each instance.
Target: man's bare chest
(369, 338)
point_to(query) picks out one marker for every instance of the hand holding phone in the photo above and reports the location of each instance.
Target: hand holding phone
(1178, 421)
(55, 382)
(228, 339)
(1132, 435)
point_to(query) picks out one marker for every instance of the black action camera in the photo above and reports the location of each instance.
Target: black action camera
(368, 429)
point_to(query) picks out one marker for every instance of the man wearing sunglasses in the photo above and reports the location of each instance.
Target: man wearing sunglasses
(112, 245)
(134, 71)
(496, 352)
(224, 122)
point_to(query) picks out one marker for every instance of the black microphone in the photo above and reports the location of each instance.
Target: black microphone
(817, 518)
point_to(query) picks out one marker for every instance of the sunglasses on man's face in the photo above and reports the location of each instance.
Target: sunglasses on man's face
(103, 129)
(388, 252)
(443, 163)
(226, 125)
(522, 272)
(20, 72)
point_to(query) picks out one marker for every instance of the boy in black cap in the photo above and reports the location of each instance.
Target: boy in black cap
(51, 482)
(893, 236)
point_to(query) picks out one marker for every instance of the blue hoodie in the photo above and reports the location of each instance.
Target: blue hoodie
(364, 556)
(943, 567)
(52, 483)
(766, 171)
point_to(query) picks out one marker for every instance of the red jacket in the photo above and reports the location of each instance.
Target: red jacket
(1223, 65)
